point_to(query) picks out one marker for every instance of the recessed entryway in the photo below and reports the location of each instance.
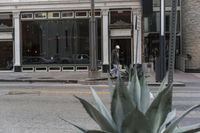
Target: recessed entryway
(125, 50)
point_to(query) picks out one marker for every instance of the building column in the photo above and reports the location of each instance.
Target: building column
(137, 36)
(105, 41)
(17, 47)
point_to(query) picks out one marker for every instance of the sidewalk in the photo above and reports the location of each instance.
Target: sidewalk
(180, 78)
(82, 77)
(67, 77)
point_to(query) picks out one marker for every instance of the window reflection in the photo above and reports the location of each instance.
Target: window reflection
(120, 17)
(153, 22)
(6, 55)
(26, 16)
(40, 15)
(81, 14)
(5, 20)
(67, 14)
(53, 14)
(57, 41)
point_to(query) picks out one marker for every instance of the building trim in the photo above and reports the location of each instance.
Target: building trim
(62, 5)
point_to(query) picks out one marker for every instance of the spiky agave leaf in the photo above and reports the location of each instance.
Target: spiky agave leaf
(159, 109)
(97, 116)
(82, 129)
(78, 127)
(134, 89)
(175, 123)
(170, 117)
(121, 103)
(130, 72)
(188, 129)
(163, 83)
(135, 122)
(145, 96)
(102, 108)
(132, 113)
(111, 88)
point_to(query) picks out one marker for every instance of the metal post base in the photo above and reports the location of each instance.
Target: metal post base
(105, 68)
(17, 69)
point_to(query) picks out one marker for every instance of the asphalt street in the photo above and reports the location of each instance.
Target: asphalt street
(35, 107)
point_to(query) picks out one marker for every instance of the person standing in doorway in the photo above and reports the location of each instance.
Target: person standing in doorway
(115, 62)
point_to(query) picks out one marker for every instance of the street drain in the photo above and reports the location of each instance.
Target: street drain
(24, 77)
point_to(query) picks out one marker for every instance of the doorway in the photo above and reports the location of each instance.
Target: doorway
(6, 55)
(125, 51)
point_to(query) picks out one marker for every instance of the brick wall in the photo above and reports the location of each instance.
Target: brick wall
(191, 32)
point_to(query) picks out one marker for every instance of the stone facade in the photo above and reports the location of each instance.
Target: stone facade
(191, 33)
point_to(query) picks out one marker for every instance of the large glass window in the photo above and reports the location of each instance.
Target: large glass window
(152, 24)
(57, 41)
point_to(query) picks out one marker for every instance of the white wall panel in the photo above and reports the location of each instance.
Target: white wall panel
(120, 32)
(6, 36)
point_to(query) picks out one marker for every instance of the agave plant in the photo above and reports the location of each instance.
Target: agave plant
(134, 111)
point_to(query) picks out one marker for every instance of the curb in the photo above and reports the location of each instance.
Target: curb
(47, 81)
(83, 82)
(175, 84)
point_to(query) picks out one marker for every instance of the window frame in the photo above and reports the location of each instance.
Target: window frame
(53, 17)
(68, 16)
(89, 14)
(26, 18)
(40, 18)
(81, 16)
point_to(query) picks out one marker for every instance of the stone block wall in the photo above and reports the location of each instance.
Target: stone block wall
(191, 33)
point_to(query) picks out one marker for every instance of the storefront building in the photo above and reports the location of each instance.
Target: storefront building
(152, 33)
(41, 35)
(188, 37)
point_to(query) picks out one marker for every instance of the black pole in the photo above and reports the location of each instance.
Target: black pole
(162, 41)
(57, 44)
(137, 30)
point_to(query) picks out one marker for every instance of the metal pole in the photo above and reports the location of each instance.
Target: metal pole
(172, 46)
(93, 47)
(137, 30)
(162, 41)
(57, 44)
